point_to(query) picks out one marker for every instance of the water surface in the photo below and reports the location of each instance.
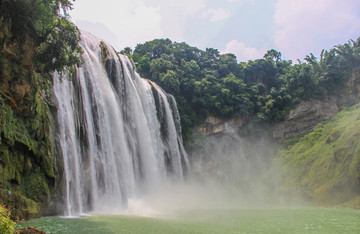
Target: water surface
(284, 220)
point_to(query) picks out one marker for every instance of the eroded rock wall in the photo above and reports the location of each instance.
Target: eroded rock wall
(305, 117)
(27, 172)
(215, 125)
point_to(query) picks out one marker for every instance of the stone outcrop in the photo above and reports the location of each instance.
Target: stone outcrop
(300, 120)
(215, 125)
(305, 117)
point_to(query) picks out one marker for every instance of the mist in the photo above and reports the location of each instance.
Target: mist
(227, 172)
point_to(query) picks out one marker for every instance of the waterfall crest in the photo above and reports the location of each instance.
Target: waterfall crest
(119, 134)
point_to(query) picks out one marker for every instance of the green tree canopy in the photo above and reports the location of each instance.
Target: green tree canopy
(206, 82)
(45, 22)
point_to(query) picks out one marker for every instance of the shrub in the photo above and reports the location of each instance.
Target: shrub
(6, 224)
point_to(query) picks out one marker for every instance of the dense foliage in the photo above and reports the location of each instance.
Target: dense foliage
(45, 23)
(6, 224)
(205, 82)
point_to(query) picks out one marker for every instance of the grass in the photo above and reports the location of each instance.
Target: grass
(325, 164)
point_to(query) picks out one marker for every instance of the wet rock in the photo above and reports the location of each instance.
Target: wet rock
(214, 125)
(30, 230)
(20, 91)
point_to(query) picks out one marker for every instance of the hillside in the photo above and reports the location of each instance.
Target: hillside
(324, 165)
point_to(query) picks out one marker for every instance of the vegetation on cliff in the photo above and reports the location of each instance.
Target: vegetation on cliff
(52, 41)
(35, 39)
(266, 89)
(324, 165)
(7, 225)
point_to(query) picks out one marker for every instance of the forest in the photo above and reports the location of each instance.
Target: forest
(265, 90)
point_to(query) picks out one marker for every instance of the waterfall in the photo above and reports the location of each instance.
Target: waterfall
(119, 134)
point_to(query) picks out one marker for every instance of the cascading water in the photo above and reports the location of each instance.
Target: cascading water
(119, 134)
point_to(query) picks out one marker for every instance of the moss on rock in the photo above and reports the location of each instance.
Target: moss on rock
(324, 165)
(26, 149)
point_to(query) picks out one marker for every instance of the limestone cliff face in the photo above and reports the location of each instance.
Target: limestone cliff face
(305, 117)
(215, 125)
(302, 119)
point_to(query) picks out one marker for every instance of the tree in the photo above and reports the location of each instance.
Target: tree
(261, 70)
(349, 53)
(60, 50)
(228, 64)
(171, 82)
(126, 51)
(312, 60)
(45, 22)
(273, 55)
(161, 66)
(154, 49)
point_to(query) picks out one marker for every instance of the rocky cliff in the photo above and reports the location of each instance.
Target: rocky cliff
(305, 117)
(300, 120)
(27, 171)
(215, 125)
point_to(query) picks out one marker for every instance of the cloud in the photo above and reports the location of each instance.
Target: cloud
(215, 15)
(175, 15)
(242, 1)
(101, 31)
(130, 21)
(310, 26)
(179, 7)
(242, 52)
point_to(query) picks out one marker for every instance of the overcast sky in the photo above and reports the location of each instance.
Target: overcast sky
(246, 28)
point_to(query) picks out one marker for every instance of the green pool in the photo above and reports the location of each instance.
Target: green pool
(284, 220)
